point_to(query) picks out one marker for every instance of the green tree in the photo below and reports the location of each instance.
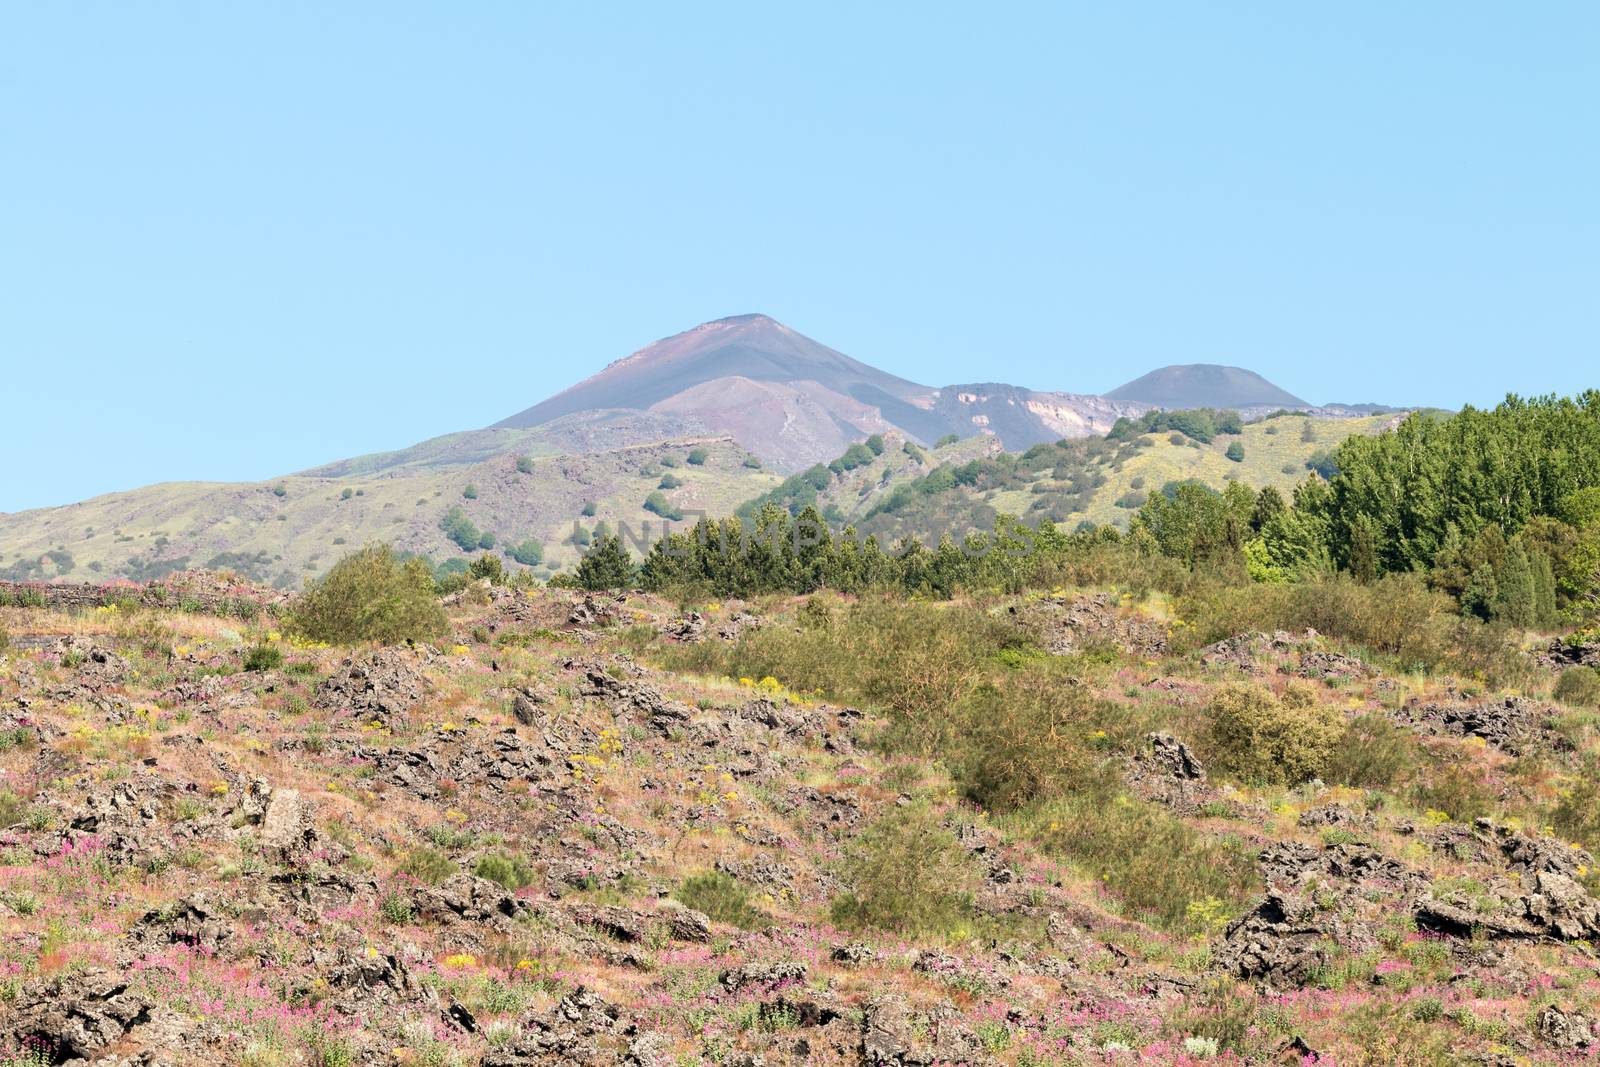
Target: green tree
(528, 552)
(370, 595)
(606, 566)
(1516, 599)
(657, 502)
(488, 566)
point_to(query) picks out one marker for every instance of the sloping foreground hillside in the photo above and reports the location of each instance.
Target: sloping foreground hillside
(1029, 831)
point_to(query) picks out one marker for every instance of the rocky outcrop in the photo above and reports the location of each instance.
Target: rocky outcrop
(1167, 772)
(380, 686)
(73, 1018)
(1512, 724)
(1069, 624)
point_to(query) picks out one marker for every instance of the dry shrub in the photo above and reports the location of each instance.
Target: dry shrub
(1262, 738)
(1397, 617)
(1153, 861)
(917, 661)
(1020, 742)
(1374, 754)
(909, 874)
(1579, 687)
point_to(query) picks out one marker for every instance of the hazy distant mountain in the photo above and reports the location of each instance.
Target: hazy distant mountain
(795, 402)
(1205, 385)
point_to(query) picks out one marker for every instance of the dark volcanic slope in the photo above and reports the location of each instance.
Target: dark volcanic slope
(1195, 385)
(754, 347)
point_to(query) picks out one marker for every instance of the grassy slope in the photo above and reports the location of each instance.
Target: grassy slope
(311, 525)
(1275, 455)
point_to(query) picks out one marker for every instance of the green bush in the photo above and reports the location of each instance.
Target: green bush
(505, 870)
(1235, 452)
(263, 658)
(1578, 686)
(469, 493)
(669, 481)
(370, 595)
(722, 897)
(396, 908)
(909, 874)
(529, 552)
(698, 456)
(657, 502)
(488, 566)
(524, 464)
(606, 566)
(427, 865)
(1261, 738)
(1165, 871)
(1374, 753)
(460, 529)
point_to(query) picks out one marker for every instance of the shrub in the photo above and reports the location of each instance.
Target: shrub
(1577, 815)
(427, 865)
(1235, 452)
(1021, 741)
(1374, 754)
(589, 508)
(505, 870)
(1455, 788)
(529, 552)
(909, 874)
(524, 464)
(460, 529)
(263, 658)
(606, 566)
(396, 908)
(721, 896)
(487, 566)
(698, 456)
(669, 481)
(947, 439)
(1261, 738)
(469, 493)
(1397, 616)
(370, 595)
(752, 462)
(657, 503)
(1167, 872)
(1578, 686)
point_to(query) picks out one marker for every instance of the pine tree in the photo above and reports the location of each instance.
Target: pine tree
(606, 566)
(1479, 597)
(1515, 599)
(1363, 553)
(1544, 591)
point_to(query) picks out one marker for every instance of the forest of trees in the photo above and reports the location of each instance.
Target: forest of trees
(1499, 508)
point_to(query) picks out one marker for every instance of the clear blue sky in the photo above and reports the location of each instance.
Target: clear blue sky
(238, 240)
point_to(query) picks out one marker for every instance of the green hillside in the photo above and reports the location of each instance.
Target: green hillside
(964, 485)
(285, 529)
